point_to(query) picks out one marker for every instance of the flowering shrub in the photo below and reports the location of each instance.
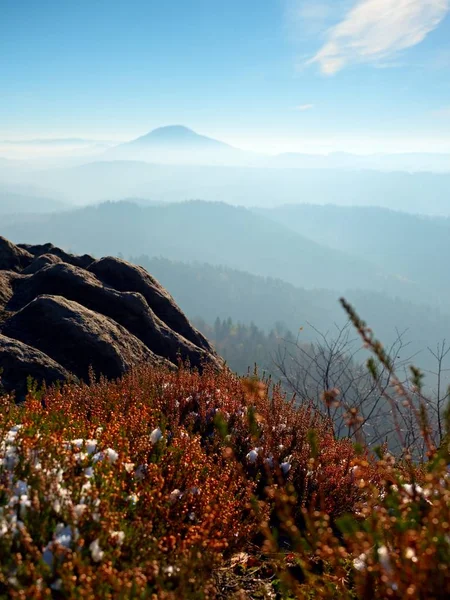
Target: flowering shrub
(152, 485)
(100, 488)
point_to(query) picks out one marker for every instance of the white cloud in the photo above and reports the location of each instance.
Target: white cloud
(375, 30)
(304, 107)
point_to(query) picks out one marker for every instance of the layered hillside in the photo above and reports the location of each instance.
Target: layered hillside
(227, 235)
(67, 317)
(415, 247)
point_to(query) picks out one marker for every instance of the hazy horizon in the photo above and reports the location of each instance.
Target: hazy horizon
(27, 147)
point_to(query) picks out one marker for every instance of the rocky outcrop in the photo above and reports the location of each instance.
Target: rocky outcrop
(49, 249)
(41, 261)
(13, 258)
(126, 277)
(19, 362)
(79, 314)
(79, 338)
(129, 309)
(6, 291)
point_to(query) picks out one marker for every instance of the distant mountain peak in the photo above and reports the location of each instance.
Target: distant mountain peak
(172, 130)
(177, 145)
(177, 135)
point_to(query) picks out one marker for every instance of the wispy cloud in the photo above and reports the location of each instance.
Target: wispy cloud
(307, 19)
(311, 14)
(375, 30)
(304, 107)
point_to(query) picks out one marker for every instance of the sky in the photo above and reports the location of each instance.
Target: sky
(269, 75)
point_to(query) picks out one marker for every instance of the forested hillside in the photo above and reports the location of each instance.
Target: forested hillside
(226, 235)
(415, 247)
(247, 348)
(209, 292)
(263, 272)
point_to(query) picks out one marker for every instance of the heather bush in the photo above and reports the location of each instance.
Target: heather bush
(184, 485)
(103, 490)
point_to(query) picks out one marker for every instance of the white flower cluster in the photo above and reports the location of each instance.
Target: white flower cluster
(255, 453)
(360, 563)
(413, 492)
(382, 557)
(63, 537)
(8, 450)
(177, 494)
(87, 454)
(156, 436)
(252, 456)
(13, 512)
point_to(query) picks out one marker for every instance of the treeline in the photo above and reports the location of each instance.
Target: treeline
(244, 346)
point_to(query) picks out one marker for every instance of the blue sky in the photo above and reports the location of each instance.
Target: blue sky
(307, 75)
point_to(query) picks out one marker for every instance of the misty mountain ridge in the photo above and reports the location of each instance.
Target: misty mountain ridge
(295, 261)
(27, 200)
(310, 246)
(389, 162)
(417, 245)
(110, 179)
(231, 236)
